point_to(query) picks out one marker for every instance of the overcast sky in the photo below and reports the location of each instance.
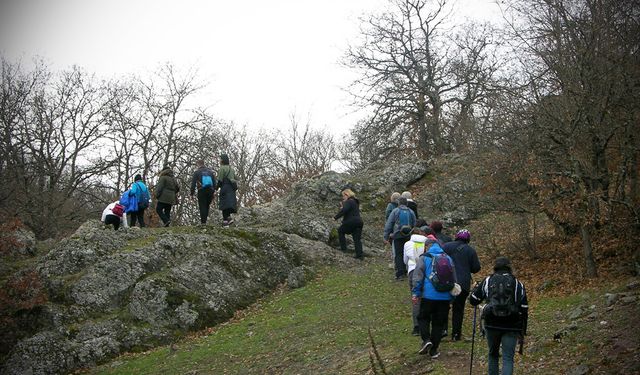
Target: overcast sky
(262, 60)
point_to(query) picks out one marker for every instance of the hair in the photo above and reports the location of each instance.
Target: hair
(224, 159)
(200, 162)
(406, 194)
(395, 196)
(436, 226)
(349, 193)
(502, 264)
(421, 223)
(138, 177)
(402, 201)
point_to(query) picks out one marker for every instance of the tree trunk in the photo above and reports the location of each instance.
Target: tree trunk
(587, 250)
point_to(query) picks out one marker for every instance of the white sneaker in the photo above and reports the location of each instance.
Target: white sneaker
(425, 347)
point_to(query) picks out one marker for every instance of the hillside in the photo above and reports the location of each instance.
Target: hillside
(204, 295)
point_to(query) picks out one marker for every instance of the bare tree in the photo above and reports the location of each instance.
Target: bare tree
(416, 79)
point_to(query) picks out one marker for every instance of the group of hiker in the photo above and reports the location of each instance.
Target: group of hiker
(439, 270)
(131, 206)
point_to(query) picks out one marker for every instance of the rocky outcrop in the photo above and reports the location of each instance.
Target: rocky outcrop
(114, 291)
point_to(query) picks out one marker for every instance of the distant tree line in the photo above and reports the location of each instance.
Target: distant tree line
(549, 103)
(71, 143)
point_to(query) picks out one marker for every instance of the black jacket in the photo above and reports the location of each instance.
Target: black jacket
(414, 207)
(350, 212)
(516, 323)
(465, 260)
(196, 181)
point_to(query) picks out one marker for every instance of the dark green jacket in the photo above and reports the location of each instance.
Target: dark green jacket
(167, 188)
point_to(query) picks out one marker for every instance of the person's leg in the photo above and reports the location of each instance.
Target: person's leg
(439, 320)
(424, 319)
(160, 211)
(509, 341)
(167, 214)
(493, 341)
(204, 200)
(401, 268)
(141, 217)
(357, 241)
(457, 314)
(131, 219)
(112, 220)
(342, 238)
(415, 309)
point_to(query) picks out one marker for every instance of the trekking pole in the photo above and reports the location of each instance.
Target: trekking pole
(473, 337)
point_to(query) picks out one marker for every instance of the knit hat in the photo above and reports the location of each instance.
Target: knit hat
(426, 230)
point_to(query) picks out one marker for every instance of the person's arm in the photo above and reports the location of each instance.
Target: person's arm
(477, 295)
(524, 309)
(474, 262)
(346, 207)
(418, 279)
(194, 181)
(388, 226)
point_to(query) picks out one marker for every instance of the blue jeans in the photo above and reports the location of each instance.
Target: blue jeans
(508, 339)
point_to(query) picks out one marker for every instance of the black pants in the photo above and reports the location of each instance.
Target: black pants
(136, 215)
(164, 211)
(355, 230)
(226, 213)
(398, 247)
(457, 313)
(205, 196)
(112, 219)
(432, 319)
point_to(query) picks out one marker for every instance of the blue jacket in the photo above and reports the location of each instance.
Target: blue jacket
(423, 287)
(391, 228)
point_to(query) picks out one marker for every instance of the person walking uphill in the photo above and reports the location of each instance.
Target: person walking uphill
(351, 222)
(140, 190)
(166, 194)
(227, 201)
(466, 262)
(398, 230)
(505, 315)
(434, 304)
(204, 180)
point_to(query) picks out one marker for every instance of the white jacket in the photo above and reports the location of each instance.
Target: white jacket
(108, 211)
(412, 250)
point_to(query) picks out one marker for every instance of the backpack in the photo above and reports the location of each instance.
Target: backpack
(206, 180)
(442, 276)
(118, 210)
(403, 221)
(502, 295)
(144, 197)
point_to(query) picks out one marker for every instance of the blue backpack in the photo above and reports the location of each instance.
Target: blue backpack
(403, 221)
(206, 181)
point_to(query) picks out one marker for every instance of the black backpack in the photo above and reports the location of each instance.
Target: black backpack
(502, 298)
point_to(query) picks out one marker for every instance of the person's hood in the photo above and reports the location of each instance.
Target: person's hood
(418, 238)
(355, 199)
(166, 172)
(434, 248)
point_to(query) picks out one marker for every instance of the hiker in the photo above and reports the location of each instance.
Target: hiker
(140, 190)
(114, 215)
(227, 201)
(505, 315)
(421, 239)
(351, 222)
(466, 262)
(434, 304)
(411, 203)
(397, 229)
(166, 193)
(204, 180)
(437, 229)
(393, 203)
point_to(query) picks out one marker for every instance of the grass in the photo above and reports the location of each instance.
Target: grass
(323, 328)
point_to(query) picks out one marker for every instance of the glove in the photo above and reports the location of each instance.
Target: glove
(415, 299)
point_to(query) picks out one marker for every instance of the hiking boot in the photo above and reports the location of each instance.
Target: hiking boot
(445, 333)
(426, 346)
(434, 355)
(456, 337)
(167, 223)
(230, 221)
(416, 331)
